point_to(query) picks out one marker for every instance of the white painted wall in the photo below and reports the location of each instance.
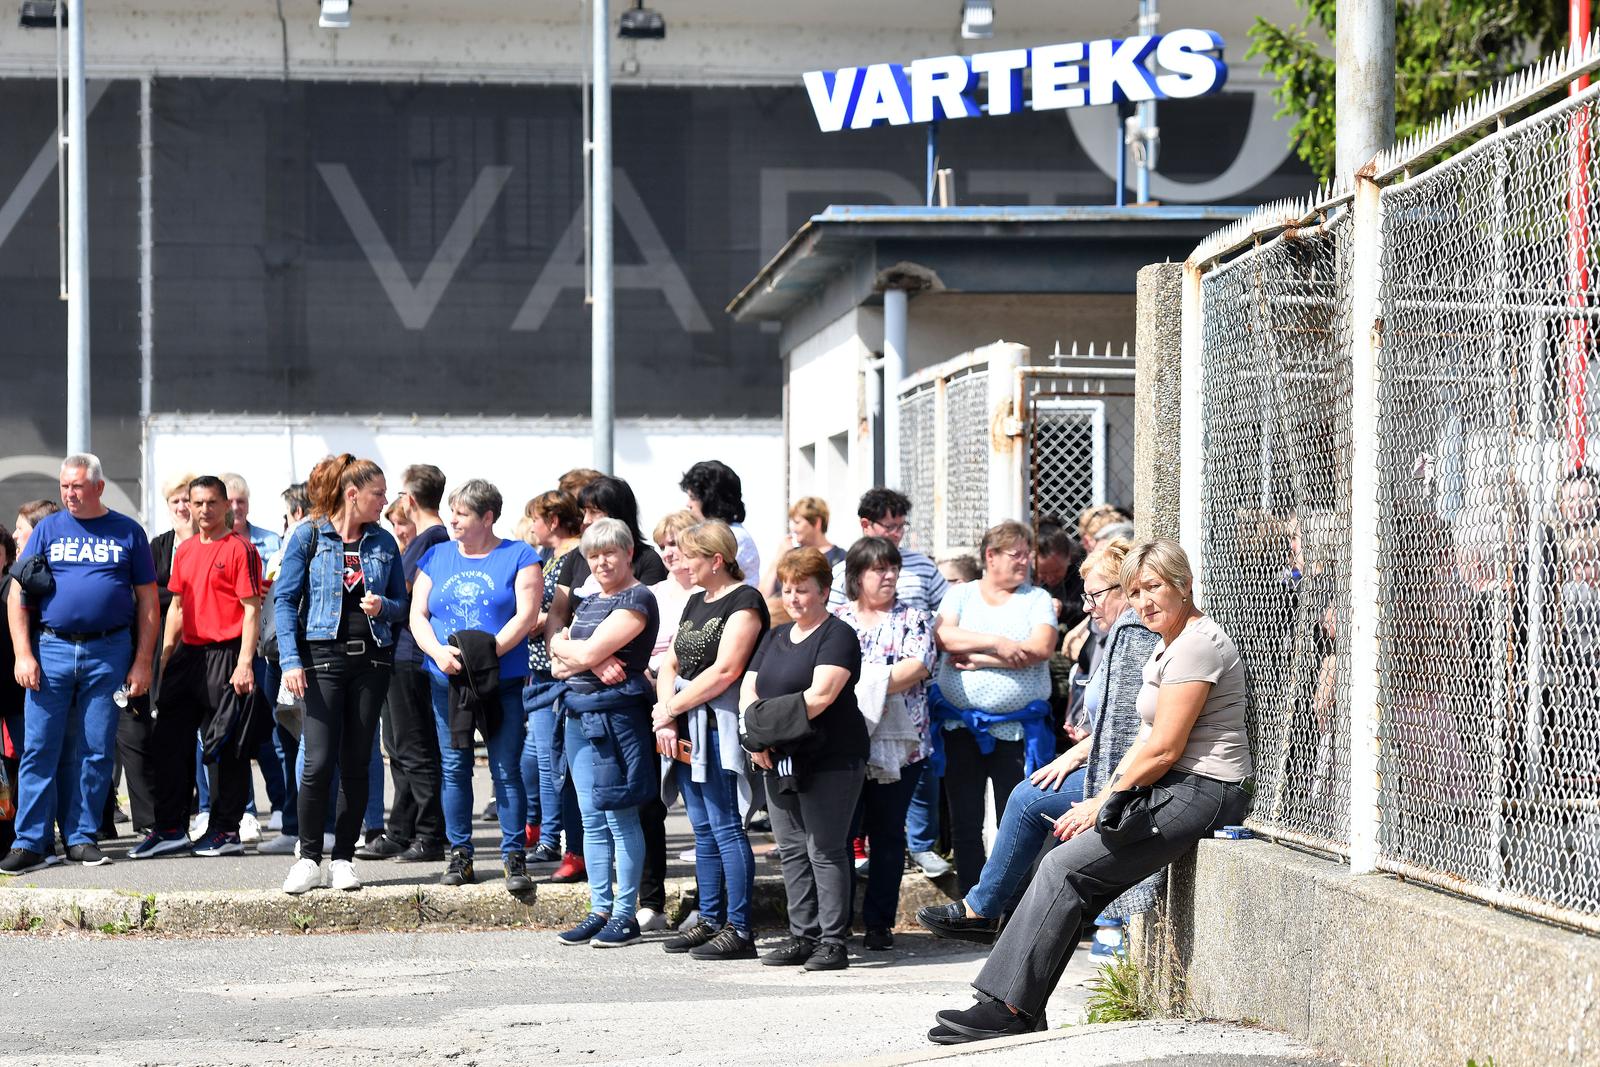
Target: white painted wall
(827, 407)
(522, 457)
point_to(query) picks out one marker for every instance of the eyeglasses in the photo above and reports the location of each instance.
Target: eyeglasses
(890, 527)
(1019, 554)
(1092, 598)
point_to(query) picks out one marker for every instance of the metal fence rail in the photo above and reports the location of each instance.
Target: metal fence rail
(1397, 517)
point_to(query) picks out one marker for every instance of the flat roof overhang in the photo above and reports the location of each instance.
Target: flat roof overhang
(1020, 249)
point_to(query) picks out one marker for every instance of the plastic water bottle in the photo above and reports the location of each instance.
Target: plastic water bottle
(120, 697)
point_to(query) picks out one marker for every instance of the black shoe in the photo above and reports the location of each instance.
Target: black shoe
(381, 847)
(829, 956)
(490, 812)
(878, 940)
(544, 852)
(694, 937)
(22, 860)
(951, 920)
(791, 953)
(760, 823)
(89, 855)
(987, 1019)
(368, 836)
(729, 944)
(517, 880)
(459, 872)
(943, 1035)
(420, 851)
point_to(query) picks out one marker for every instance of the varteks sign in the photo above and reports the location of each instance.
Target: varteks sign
(1188, 63)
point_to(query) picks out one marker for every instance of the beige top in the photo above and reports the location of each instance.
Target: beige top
(1218, 745)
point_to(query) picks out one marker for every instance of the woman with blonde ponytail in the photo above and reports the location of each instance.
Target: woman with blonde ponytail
(339, 596)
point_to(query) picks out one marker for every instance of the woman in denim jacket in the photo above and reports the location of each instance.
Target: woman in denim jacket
(339, 595)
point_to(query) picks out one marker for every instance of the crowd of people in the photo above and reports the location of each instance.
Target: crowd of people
(851, 702)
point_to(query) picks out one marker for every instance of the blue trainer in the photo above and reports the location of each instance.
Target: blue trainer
(218, 844)
(159, 843)
(617, 932)
(584, 932)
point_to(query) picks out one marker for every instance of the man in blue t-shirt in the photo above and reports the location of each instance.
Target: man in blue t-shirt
(91, 635)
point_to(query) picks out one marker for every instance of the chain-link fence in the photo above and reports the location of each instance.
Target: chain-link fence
(966, 511)
(1397, 520)
(1078, 432)
(1276, 516)
(919, 454)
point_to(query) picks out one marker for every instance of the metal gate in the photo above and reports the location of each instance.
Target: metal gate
(1078, 433)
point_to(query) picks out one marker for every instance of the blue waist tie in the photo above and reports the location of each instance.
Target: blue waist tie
(1038, 740)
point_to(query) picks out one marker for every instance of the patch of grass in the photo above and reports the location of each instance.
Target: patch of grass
(1114, 995)
(147, 911)
(302, 921)
(121, 926)
(74, 919)
(25, 922)
(1487, 1062)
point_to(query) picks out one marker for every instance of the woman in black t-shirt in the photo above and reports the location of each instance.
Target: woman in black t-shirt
(696, 699)
(819, 657)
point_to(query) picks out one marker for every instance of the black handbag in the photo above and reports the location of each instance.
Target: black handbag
(1128, 816)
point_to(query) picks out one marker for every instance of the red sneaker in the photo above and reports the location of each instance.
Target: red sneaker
(571, 870)
(530, 834)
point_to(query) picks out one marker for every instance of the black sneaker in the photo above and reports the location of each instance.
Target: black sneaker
(692, 938)
(878, 940)
(829, 956)
(517, 880)
(490, 812)
(729, 944)
(22, 860)
(381, 847)
(988, 1019)
(544, 852)
(951, 920)
(420, 851)
(87, 854)
(460, 871)
(791, 953)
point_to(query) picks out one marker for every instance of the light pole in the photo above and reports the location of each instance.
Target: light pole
(602, 339)
(77, 224)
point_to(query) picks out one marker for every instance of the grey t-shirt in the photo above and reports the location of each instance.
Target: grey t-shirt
(1218, 745)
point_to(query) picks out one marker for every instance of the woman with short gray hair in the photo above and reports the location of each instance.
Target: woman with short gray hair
(478, 582)
(605, 731)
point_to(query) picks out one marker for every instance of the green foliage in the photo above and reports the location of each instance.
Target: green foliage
(1114, 995)
(302, 921)
(1486, 1063)
(1445, 52)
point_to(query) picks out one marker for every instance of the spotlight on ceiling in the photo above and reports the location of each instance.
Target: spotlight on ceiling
(39, 15)
(335, 15)
(977, 19)
(640, 23)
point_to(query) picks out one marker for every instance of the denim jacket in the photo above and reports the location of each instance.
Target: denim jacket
(309, 594)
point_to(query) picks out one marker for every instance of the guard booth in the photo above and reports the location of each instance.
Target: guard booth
(947, 353)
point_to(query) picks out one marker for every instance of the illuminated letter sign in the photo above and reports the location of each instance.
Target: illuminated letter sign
(1187, 63)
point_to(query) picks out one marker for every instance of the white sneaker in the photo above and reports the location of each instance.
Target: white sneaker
(690, 921)
(281, 845)
(687, 855)
(650, 919)
(249, 829)
(931, 864)
(199, 825)
(276, 822)
(342, 875)
(305, 875)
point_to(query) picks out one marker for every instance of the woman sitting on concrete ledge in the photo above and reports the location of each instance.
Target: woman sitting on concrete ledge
(1179, 782)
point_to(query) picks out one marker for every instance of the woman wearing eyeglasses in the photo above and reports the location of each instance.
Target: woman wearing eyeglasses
(993, 687)
(1111, 700)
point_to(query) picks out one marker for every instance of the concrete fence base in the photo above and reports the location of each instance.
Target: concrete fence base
(374, 907)
(1372, 968)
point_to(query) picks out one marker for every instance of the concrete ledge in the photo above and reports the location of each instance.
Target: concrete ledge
(1375, 969)
(374, 907)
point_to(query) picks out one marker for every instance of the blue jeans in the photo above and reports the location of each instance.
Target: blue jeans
(289, 757)
(70, 739)
(1021, 834)
(505, 751)
(558, 809)
(531, 779)
(607, 835)
(922, 819)
(723, 864)
(882, 812)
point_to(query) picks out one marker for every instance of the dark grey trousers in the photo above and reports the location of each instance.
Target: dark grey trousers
(1078, 878)
(812, 828)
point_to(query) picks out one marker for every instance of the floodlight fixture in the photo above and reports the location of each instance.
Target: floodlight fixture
(640, 23)
(335, 15)
(41, 14)
(977, 19)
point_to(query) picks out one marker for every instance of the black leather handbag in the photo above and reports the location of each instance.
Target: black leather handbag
(1129, 816)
